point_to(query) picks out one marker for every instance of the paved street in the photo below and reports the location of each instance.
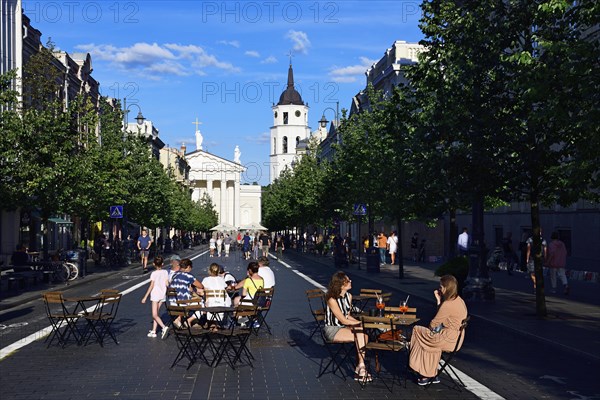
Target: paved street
(508, 352)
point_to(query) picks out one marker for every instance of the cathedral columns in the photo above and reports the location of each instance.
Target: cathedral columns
(236, 203)
(224, 213)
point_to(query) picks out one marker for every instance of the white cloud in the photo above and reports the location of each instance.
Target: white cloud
(154, 60)
(261, 138)
(299, 40)
(233, 43)
(269, 60)
(352, 72)
(252, 53)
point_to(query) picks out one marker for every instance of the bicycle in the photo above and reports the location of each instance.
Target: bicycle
(63, 271)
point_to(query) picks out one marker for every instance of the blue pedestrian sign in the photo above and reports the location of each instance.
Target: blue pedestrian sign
(360, 209)
(116, 211)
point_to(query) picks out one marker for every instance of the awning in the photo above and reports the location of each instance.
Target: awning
(60, 221)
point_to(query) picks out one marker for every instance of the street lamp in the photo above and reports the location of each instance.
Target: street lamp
(139, 119)
(323, 121)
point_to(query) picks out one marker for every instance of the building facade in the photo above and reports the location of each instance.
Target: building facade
(289, 129)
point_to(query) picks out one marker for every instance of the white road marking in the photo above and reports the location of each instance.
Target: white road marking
(6, 351)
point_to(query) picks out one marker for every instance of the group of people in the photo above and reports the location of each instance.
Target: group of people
(386, 245)
(179, 277)
(427, 342)
(553, 256)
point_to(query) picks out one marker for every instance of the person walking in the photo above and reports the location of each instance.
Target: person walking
(279, 247)
(414, 246)
(227, 243)
(159, 280)
(530, 263)
(219, 245)
(265, 242)
(463, 243)
(557, 260)
(143, 244)
(382, 245)
(392, 246)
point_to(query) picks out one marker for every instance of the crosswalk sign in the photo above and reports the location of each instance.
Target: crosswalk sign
(360, 209)
(116, 211)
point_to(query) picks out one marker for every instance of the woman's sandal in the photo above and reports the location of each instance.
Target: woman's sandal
(364, 376)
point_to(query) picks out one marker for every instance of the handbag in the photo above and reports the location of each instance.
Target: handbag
(390, 335)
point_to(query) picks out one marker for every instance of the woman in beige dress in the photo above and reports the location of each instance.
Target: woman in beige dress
(427, 343)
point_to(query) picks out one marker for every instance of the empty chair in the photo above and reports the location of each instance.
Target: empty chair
(62, 321)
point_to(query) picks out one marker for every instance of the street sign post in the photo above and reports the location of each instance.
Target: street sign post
(359, 210)
(116, 211)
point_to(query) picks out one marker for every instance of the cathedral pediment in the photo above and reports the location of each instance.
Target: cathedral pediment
(202, 161)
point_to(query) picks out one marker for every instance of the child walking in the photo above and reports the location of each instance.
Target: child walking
(159, 280)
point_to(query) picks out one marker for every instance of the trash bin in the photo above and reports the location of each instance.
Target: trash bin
(77, 257)
(373, 259)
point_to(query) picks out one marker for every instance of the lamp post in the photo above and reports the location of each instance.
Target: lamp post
(140, 120)
(323, 121)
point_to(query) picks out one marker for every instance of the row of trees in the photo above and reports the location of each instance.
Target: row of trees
(78, 161)
(503, 105)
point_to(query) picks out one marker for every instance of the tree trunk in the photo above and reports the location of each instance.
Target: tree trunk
(453, 234)
(400, 256)
(537, 250)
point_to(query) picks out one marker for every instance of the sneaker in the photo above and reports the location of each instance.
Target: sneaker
(256, 325)
(165, 332)
(151, 334)
(423, 381)
(435, 379)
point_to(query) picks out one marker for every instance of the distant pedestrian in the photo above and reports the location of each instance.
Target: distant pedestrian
(510, 256)
(227, 243)
(279, 247)
(414, 246)
(219, 245)
(523, 250)
(421, 257)
(159, 280)
(557, 260)
(143, 244)
(265, 242)
(463, 243)
(382, 244)
(392, 246)
(246, 245)
(212, 245)
(530, 257)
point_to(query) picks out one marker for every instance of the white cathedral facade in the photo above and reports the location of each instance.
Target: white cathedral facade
(237, 204)
(289, 129)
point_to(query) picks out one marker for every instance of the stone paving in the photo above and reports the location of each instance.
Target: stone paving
(286, 364)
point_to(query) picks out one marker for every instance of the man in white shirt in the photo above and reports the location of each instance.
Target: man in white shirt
(463, 243)
(266, 272)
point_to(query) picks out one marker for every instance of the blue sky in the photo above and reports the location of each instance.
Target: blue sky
(225, 63)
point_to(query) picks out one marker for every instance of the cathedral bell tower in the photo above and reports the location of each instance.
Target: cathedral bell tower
(290, 126)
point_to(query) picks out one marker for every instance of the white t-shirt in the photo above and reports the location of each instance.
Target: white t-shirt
(268, 276)
(463, 241)
(216, 283)
(393, 243)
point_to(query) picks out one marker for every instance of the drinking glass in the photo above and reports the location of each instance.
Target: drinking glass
(403, 307)
(380, 305)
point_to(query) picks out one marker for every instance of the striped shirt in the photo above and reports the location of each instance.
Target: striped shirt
(345, 305)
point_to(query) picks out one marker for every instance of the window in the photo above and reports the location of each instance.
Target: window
(285, 118)
(297, 113)
(274, 145)
(285, 144)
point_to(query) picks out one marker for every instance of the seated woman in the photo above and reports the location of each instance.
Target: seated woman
(250, 285)
(340, 326)
(215, 282)
(427, 343)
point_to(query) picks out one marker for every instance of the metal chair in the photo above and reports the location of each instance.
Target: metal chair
(338, 351)
(263, 298)
(385, 335)
(233, 341)
(447, 357)
(100, 320)
(63, 322)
